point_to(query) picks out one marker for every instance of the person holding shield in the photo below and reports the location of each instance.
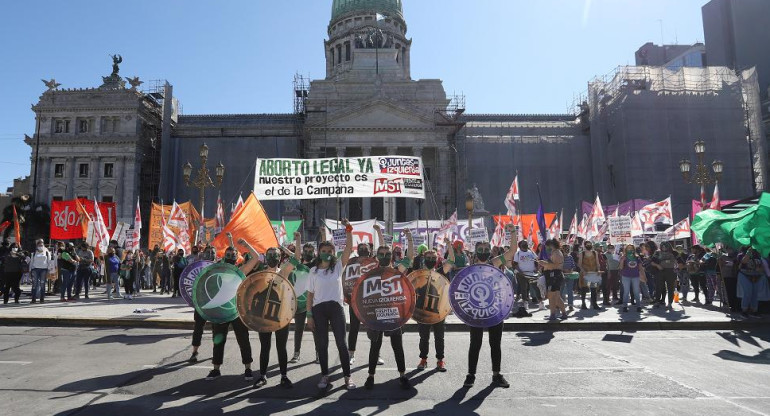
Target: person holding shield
(219, 331)
(325, 306)
(308, 260)
(430, 262)
(385, 260)
(483, 255)
(271, 264)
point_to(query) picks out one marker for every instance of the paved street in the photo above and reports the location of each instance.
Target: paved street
(98, 371)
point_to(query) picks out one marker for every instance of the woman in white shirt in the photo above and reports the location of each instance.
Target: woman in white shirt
(324, 304)
(38, 267)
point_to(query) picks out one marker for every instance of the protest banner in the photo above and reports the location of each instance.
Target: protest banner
(67, 221)
(156, 231)
(355, 177)
(620, 230)
(479, 235)
(340, 238)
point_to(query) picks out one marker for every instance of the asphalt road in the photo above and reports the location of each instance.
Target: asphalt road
(82, 371)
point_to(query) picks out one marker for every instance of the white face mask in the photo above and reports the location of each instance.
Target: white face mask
(40, 248)
(14, 250)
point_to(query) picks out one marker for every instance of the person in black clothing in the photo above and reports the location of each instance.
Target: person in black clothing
(179, 262)
(429, 261)
(308, 260)
(13, 266)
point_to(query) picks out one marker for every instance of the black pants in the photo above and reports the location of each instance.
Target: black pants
(355, 327)
(82, 279)
(438, 334)
(396, 341)
(265, 342)
(495, 339)
(330, 314)
(665, 282)
(128, 283)
(175, 282)
(220, 338)
(698, 281)
(11, 283)
(200, 323)
(522, 286)
(605, 292)
(299, 329)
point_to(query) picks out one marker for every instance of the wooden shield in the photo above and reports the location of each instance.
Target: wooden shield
(383, 299)
(432, 291)
(266, 302)
(355, 268)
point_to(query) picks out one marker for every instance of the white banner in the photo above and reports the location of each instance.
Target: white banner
(354, 177)
(620, 230)
(479, 235)
(340, 238)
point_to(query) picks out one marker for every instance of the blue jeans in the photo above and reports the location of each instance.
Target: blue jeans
(711, 286)
(39, 278)
(750, 293)
(628, 284)
(115, 279)
(66, 283)
(83, 279)
(568, 290)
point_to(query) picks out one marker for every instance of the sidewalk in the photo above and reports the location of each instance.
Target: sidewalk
(163, 311)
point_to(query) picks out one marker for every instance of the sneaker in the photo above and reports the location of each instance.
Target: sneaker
(286, 383)
(213, 375)
(551, 318)
(404, 382)
(625, 309)
(249, 376)
(369, 383)
(564, 317)
(352, 359)
(470, 379)
(380, 361)
(261, 382)
(441, 366)
(61, 300)
(324, 383)
(85, 297)
(193, 358)
(423, 364)
(295, 358)
(500, 381)
(570, 308)
(350, 385)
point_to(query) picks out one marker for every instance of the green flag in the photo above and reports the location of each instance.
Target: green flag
(750, 227)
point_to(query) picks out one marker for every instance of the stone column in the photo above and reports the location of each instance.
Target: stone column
(345, 201)
(417, 151)
(366, 202)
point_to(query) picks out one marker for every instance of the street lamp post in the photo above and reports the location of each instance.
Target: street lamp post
(202, 180)
(701, 175)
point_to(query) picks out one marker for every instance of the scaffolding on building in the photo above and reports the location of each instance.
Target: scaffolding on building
(301, 89)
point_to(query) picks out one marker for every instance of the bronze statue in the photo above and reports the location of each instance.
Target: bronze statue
(116, 60)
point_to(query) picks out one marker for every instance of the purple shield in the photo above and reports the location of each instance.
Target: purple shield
(187, 278)
(481, 296)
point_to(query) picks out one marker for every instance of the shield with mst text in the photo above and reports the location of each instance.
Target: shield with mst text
(356, 267)
(187, 279)
(432, 291)
(266, 302)
(383, 299)
(481, 296)
(214, 292)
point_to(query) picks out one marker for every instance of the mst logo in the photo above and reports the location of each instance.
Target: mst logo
(377, 285)
(390, 186)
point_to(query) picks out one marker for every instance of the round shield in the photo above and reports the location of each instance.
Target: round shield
(481, 296)
(383, 299)
(356, 267)
(214, 291)
(187, 279)
(432, 291)
(266, 302)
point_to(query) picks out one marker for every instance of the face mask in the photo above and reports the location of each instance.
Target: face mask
(548, 250)
(589, 247)
(384, 259)
(272, 260)
(326, 257)
(460, 260)
(39, 248)
(483, 255)
(429, 263)
(14, 250)
(524, 247)
(630, 254)
(307, 256)
(363, 252)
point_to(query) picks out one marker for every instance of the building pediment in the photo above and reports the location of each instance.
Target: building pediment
(380, 114)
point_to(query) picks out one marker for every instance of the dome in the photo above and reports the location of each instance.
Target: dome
(391, 8)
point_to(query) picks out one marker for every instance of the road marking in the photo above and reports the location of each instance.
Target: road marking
(16, 362)
(192, 367)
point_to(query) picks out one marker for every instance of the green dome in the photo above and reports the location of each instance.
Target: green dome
(391, 8)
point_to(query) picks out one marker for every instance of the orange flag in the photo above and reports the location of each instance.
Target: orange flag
(17, 231)
(251, 224)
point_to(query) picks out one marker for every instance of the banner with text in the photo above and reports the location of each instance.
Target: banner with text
(67, 223)
(353, 177)
(620, 230)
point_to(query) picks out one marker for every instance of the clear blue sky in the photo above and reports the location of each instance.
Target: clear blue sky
(240, 56)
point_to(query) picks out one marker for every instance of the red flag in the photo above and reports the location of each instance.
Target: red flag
(703, 198)
(512, 196)
(657, 212)
(16, 229)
